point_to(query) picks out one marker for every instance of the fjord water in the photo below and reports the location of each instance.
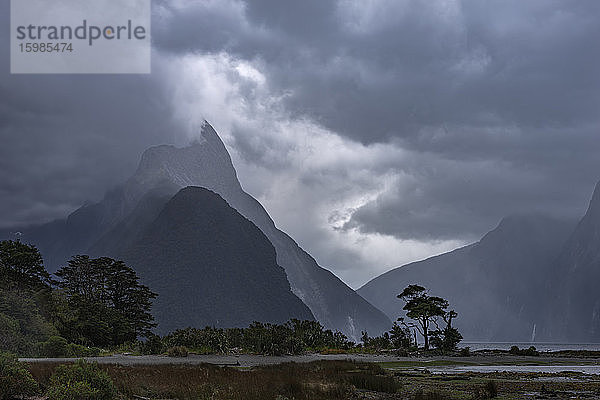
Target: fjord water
(549, 369)
(540, 346)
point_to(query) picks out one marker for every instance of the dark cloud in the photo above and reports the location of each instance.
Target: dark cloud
(385, 71)
(494, 105)
(65, 139)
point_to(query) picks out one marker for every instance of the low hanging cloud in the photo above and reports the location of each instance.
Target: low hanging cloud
(375, 132)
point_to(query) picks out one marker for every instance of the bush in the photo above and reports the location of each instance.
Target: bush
(376, 383)
(491, 389)
(446, 339)
(401, 353)
(77, 350)
(531, 351)
(80, 381)
(55, 346)
(152, 345)
(10, 335)
(15, 380)
(177, 351)
(465, 352)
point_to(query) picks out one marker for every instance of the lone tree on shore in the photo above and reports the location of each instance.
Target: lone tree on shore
(425, 310)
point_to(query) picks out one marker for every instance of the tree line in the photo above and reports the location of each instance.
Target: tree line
(95, 303)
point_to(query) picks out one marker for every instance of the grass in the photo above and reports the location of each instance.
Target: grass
(331, 380)
(315, 380)
(506, 385)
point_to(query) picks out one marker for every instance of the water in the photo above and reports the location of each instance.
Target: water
(585, 369)
(540, 346)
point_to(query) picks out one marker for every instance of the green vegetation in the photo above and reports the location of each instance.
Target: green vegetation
(177, 351)
(491, 389)
(531, 351)
(57, 346)
(315, 380)
(100, 304)
(22, 266)
(501, 385)
(293, 337)
(25, 298)
(80, 381)
(15, 379)
(425, 310)
(374, 382)
(107, 304)
(398, 337)
(96, 302)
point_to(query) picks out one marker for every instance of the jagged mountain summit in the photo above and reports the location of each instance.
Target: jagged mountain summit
(162, 172)
(496, 284)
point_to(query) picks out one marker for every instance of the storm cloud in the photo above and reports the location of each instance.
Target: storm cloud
(375, 132)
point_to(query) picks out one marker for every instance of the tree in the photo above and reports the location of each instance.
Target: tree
(22, 267)
(109, 305)
(447, 339)
(400, 336)
(25, 294)
(423, 309)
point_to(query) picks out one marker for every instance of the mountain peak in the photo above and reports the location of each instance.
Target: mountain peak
(205, 162)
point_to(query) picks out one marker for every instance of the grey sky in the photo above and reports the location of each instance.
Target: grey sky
(375, 132)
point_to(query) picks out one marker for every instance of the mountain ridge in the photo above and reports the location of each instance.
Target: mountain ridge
(211, 266)
(488, 282)
(206, 163)
(574, 280)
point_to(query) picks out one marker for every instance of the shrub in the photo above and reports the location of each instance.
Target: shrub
(376, 383)
(446, 339)
(465, 352)
(491, 389)
(531, 351)
(401, 353)
(55, 346)
(77, 350)
(514, 350)
(80, 381)
(15, 380)
(152, 345)
(177, 351)
(10, 336)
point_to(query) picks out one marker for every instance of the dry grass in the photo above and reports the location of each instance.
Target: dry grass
(316, 380)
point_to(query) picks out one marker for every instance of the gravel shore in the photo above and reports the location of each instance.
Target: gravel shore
(249, 360)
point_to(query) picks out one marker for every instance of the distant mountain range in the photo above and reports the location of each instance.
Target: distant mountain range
(573, 310)
(215, 257)
(496, 285)
(122, 223)
(531, 278)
